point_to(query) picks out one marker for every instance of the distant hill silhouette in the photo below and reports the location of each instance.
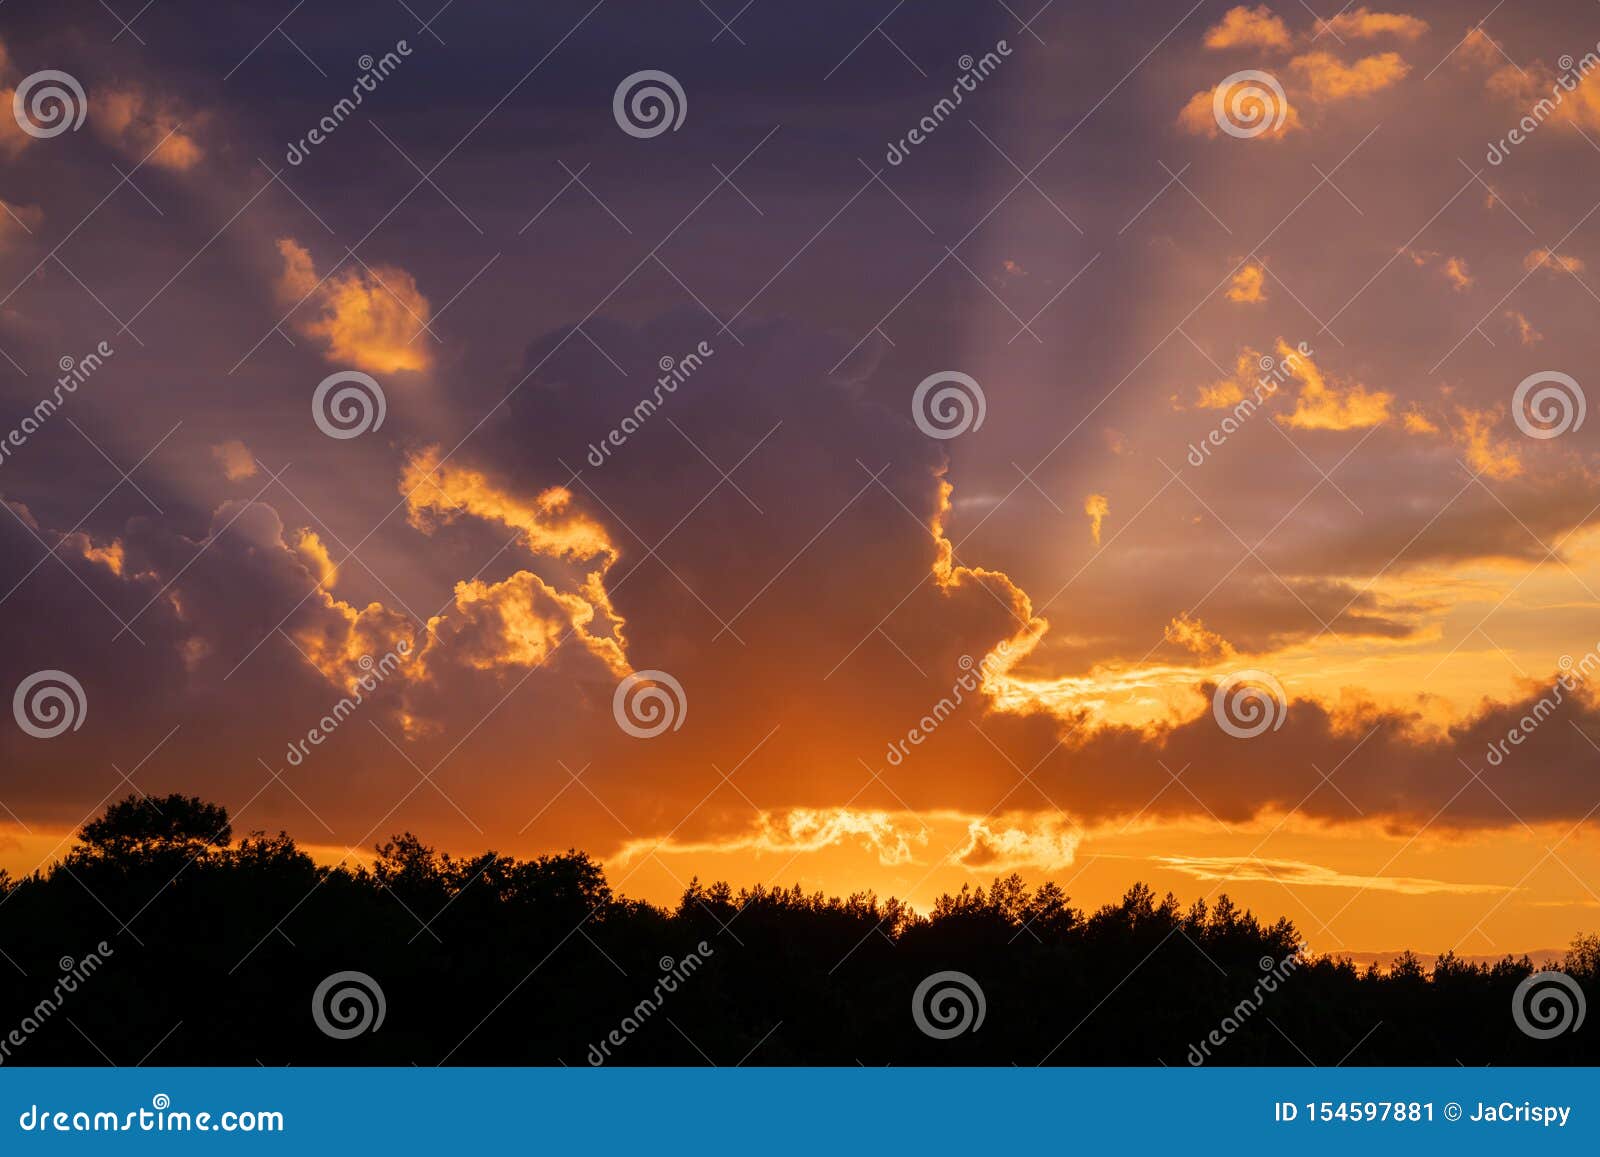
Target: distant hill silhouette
(215, 952)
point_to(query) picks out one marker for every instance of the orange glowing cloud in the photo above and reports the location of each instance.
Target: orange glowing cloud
(1195, 637)
(1254, 27)
(517, 618)
(1229, 392)
(1539, 93)
(1416, 422)
(1296, 873)
(1047, 845)
(110, 555)
(1455, 270)
(235, 459)
(1365, 24)
(438, 490)
(1330, 79)
(12, 139)
(135, 123)
(1248, 285)
(1096, 507)
(520, 622)
(890, 835)
(1323, 405)
(951, 578)
(1526, 333)
(1011, 842)
(1479, 48)
(1549, 259)
(1489, 456)
(308, 546)
(368, 319)
(1254, 111)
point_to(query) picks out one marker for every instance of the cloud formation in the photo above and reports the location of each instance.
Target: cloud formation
(1329, 79)
(1322, 403)
(370, 319)
(141, 125)
(1242, 26)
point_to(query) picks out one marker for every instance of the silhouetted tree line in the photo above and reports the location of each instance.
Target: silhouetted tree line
(216, 950)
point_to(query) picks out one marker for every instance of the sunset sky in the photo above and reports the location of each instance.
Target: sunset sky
(1109, 251)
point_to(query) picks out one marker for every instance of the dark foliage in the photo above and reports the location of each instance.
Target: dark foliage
(215, 951)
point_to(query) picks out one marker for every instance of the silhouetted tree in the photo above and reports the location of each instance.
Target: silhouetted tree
(213, 951)
(143, 828)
